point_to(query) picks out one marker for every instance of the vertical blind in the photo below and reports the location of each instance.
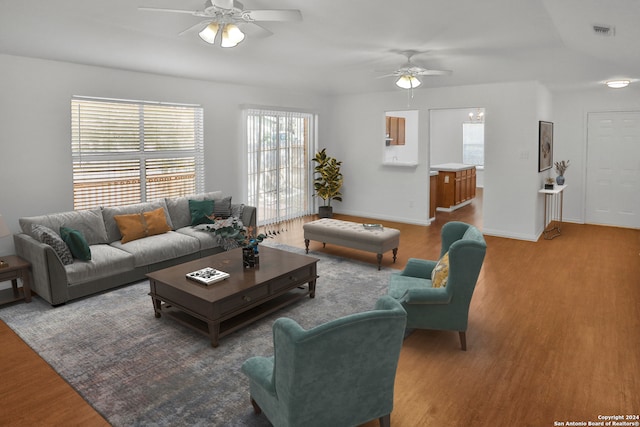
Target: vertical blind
(279, 175)
(132, 151)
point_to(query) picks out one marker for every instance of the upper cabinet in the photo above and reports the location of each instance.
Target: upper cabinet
(401, 138)
(395, 130)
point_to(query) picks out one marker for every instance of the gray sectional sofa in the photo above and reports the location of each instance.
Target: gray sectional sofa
(112, 262)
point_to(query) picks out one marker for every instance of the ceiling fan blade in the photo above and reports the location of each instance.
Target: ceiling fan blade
(433, 73)
(394, 74)
(197, 27)
(157, 9)
(272, 15)
(254, 30)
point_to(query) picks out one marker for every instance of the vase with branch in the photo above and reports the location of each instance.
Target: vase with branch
(561, 168)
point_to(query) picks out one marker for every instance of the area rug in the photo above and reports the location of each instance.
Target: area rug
(137, 370)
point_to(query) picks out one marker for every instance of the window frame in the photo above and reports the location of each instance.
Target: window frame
(164, 139)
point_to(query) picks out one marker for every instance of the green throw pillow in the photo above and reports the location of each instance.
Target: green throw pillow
(201, 210)
(76, 242)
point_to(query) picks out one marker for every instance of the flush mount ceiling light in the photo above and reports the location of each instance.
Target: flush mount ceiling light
(225, 16)
(408, 81)
(618, 84)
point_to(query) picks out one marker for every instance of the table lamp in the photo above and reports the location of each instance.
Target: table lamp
(4, 232)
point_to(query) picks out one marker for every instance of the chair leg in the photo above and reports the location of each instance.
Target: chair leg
(256, 408)
(385, 420)
(463, 340)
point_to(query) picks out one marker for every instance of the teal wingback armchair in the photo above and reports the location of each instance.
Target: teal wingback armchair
(442, 308)
(340, 373)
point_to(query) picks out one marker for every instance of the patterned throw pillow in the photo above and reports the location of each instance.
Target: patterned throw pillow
(440, 273)
(49, 237)
(222, 207)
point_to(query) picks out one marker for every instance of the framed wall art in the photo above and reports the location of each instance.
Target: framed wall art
(545, 145)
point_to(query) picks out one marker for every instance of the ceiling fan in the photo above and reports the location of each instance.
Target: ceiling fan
(226, 17)
(409, 72)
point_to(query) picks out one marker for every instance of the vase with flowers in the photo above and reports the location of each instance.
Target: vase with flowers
(234, 234)
(561, 168)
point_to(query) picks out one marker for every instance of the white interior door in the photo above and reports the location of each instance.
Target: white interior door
(613, 169)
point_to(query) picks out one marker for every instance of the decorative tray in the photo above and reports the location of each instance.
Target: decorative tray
(373, 226)
(207, 275)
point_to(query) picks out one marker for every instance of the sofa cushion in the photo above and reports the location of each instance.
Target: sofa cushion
(201, 211)
(106, 261)
(179, 207)
(158, 248)
(207, 239)
(77, 243)
(113, 232)
(49, 237)
(89, 222)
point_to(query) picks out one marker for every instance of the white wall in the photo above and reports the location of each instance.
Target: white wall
(35, 122)
(401, 194)
(570, 136)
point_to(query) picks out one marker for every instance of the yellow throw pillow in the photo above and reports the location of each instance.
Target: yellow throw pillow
(440, 273)
(156, 222)
(131, 227)
(137, 226)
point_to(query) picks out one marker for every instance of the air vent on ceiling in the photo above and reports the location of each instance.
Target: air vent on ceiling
(604, 30)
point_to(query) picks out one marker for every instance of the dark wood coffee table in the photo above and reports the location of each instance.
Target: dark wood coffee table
(247, 295)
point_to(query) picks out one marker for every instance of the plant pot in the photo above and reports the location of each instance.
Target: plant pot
(325, 211)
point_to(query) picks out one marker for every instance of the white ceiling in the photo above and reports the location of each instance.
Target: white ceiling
(342, 46)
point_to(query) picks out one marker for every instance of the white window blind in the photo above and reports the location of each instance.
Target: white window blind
(279, 174)
(473, 144)
(132, 151)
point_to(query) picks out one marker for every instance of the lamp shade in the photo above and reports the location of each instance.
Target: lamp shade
(408, 82)
(231, 36)
(209, 32)
(4, 230)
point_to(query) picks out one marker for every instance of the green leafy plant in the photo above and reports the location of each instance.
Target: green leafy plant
(236, 235)
(328, 180)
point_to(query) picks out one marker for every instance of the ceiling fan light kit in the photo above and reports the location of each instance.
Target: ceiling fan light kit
(618, 84)
(208, 33)
(408, 82)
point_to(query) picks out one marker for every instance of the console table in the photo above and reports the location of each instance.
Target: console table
(553, 199)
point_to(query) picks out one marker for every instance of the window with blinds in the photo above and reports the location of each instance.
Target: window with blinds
(279, 173)
(131, 151)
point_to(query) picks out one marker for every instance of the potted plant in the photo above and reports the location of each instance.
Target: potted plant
(327, 182)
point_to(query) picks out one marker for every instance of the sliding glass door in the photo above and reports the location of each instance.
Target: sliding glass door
(279, 175)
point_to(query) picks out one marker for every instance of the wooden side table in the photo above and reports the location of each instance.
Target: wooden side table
(17, 269)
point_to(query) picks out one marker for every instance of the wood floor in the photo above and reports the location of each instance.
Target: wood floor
(553, 336)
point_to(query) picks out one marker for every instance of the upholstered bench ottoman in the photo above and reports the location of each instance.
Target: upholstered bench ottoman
(353, 235)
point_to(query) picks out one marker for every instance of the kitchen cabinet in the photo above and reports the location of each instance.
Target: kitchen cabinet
(456, 185)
